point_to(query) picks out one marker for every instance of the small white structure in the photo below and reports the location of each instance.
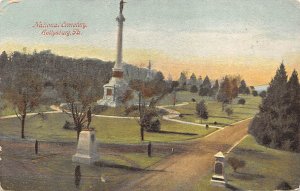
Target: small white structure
(86, 148)
(219, 169)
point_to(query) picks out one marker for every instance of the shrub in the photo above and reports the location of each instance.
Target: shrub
(263, 94)
(194, 89)
(242, 101)
(236, 163)
(150, 121)
(283, 186)
(99, 109)
(229, 111)
(68, 125)
(254, 93)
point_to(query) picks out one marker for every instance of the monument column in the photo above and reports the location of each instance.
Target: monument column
(117, 86)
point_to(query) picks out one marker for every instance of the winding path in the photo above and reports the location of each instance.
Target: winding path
(183, 171)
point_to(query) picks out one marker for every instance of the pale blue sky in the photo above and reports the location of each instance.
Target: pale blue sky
(193, 28)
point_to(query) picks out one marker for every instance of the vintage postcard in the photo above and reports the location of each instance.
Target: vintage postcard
(149, 95)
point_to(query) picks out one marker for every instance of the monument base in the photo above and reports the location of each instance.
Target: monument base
(114, 92)
(218, 180)
(86, 148)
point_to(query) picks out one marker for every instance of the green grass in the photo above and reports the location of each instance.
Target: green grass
(108, 130)
(8, 109)
(265, 168)
(58, 171)
(181, 96)
(205, 185)
(215, 112)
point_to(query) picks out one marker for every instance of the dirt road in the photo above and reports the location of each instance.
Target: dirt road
(181, 172)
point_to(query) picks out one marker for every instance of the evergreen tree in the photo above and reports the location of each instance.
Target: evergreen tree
(292, 135)
(193, 80)
(205, 88)
(243, 89)
(182, 80)
(277, 123)
(224, 94)
(201, 110)
(215, 88)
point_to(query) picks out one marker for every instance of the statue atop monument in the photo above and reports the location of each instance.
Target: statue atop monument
(122, 6)
(117, 86)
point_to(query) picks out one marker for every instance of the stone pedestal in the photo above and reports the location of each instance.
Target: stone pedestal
(219, 170)
(87, 148)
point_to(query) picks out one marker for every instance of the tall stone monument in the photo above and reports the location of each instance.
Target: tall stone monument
(117, 86)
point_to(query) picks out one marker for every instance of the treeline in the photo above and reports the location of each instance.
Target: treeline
(277, 125)
(224, 90)
(53, 68)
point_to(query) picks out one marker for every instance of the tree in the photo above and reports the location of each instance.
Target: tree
(205, 87)
(155, 89)
(3, 59)
(193, 80)
(215, 88)
(236, 163)
(224, 94)
(201, 110)
(150, 121)
(263, 94)
(277, 123)
(182, 80)
(78, 94)
(243, 88)
(229, 111)
(24, 94)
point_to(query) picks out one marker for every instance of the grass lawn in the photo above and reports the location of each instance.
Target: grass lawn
(181, 96)
(52, 169)
(108, 130)
(215, 112)
(8, 109)
(265, 168)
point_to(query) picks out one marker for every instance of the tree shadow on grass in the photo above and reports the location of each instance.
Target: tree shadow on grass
(177, 133)
(246, 176)
(124, 167)
(255, 153)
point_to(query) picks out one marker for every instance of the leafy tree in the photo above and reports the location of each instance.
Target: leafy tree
(236, 163)
(78, 94)
(205, 87)
(24, 94)
(150, 121)
(201, 110)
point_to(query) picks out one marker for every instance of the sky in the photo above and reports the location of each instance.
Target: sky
(207, 37)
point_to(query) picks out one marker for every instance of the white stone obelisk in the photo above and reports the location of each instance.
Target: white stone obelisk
(117, 86)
